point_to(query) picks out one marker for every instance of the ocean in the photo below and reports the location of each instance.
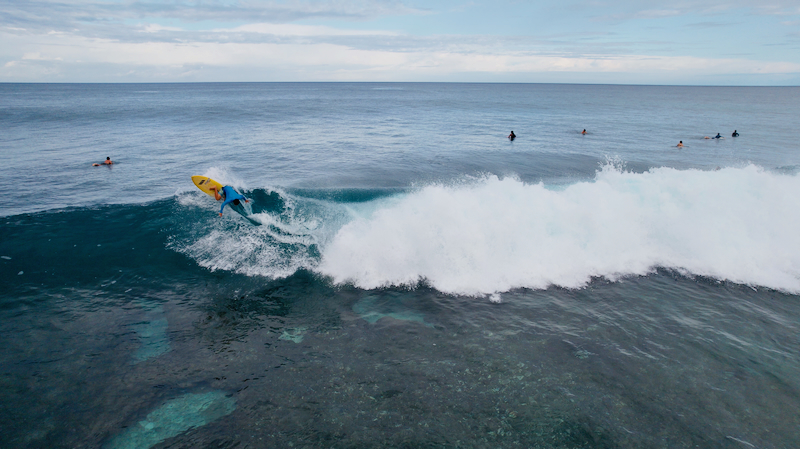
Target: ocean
(409, 277)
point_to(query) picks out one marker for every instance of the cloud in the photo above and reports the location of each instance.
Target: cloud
(69, 14)
(315, 61)
(657, 13)
(617, 10)
(129, 40)
(710, 24)
(38, 57)
(155, 28)
(302, 30)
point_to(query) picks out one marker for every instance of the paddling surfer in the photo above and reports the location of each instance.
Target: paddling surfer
(230, 196)
(108, 161)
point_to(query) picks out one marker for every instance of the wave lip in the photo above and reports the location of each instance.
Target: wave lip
(735, 224)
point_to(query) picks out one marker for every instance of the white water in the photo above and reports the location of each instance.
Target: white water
(277, 248)
(737, 224)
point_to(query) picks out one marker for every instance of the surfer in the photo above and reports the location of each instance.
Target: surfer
(735, 134)
(512, 136)
(680, 144)
(108, 161)
(718, 136)
(583, 132)
(230, 195)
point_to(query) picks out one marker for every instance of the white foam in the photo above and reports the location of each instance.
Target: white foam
(225, 178)
(737, 224)
(283, 244)
(250, 253)
(193, 198)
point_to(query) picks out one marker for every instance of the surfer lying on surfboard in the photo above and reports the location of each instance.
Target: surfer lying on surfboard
(230, 196)
(108, 161)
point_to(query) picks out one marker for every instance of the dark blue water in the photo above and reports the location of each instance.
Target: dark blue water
(408, 276)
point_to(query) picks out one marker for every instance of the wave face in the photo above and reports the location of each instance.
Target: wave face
(493, 235)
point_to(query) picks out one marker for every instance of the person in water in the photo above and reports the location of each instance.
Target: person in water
(718, 136)
(735, 134)
(583, 132)
(108, 161)
(680, 144)
(230, 196)
(512, 136)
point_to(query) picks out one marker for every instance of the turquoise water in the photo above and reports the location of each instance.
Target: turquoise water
(416, 278)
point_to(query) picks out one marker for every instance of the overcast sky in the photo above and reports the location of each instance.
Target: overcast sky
(706, 42)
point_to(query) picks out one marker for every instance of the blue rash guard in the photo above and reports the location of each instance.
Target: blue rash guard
(230, 195)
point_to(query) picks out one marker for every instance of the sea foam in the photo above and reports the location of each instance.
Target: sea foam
(493, 235)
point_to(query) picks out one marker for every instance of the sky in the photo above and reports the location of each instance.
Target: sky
(673, 42)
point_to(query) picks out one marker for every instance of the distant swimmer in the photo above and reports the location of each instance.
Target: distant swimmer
(512, 136)
(680, 144)
(735, 134)
(583, 132)
(718, 136)
(108, 161)
(230, 196)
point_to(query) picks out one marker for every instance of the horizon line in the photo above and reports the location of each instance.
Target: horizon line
(390, 82)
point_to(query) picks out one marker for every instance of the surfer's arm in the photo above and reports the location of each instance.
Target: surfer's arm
(225, 203)
(217, 196)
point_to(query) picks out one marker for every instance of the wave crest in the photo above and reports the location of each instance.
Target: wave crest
(736, 224)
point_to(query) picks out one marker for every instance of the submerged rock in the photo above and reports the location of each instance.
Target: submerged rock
(294, 334)
(152, 333)
(174, 417)
(372, 308)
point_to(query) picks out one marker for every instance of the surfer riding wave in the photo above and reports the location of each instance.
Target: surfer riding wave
(230, 195)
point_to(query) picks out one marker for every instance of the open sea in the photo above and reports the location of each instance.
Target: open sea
(408, 277)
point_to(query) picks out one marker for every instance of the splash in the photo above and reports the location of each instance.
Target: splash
(285, 241)
(254, 252)
(736, 224)
(225, 178)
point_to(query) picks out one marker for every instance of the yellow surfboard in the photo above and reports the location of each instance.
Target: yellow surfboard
(204, 182)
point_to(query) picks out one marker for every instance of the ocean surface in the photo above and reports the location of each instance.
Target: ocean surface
(408, 277)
